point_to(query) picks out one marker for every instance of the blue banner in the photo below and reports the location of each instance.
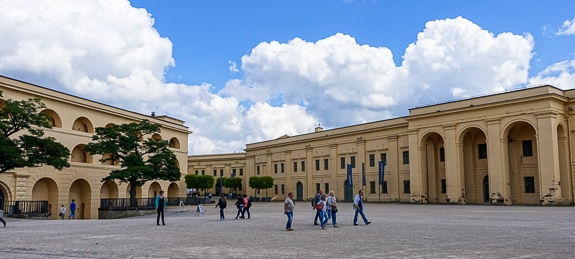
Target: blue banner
(221, 181)
(381, 170)
(363, 174)
(349, 178)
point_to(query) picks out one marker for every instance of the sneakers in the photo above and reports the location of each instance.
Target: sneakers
(355, 224)
(316, 223)
(289, 229)
(369, 222)
(335, 226)
(4, 224)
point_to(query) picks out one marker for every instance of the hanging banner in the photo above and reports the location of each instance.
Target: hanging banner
(363, 174)
(381, 170)
(349, 178)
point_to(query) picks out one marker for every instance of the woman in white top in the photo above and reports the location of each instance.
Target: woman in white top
(331, 209)
(62, 212)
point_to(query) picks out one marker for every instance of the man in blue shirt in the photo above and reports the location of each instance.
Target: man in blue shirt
(72, 209)
(314, 201)
(358, 206)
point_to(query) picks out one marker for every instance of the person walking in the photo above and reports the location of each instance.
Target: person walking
(247, 206)
(331, 209)
(358, 206)
(321, 206)
(240, 205)
(62, 212)
(222, 203)
(2, 217)
(160, 207)
(72, 210)
(289, 206)
(314, 201)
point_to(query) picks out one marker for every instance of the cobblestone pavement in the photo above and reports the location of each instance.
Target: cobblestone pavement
(397, 231)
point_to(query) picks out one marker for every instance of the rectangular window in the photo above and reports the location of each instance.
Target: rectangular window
(482, 151)
(303, 166)
(342, 162)
(372, 187)
(203, 172)
(317, 164)
(384, 158)
(221, 172)
(215, 172)
(352, 161)
(197, 172)
(295, 167)
(443, 186)
(529, 184)
(283, 189)
(527, 148)
(326, 188)
(317, 187)
(275, 168)
(241, 171)
(405, 157)
(406, 188)
(371, 160)
(234, 172)
(326, 164)
(283, 168)
(276, 189)
(258, 170)
(384, 187)
(441, 154)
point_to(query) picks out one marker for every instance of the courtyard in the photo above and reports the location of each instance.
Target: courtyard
(397, 231)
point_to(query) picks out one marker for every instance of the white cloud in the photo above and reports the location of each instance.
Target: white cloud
(561, 75)
(567, 28)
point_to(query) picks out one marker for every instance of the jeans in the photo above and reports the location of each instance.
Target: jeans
(322, 218)
(240, 211)
(331, 214)
(290, 219)
(360, 211)
(222, 213)
(72, 215)
(316, 216)
(160, 212)
(246, 209)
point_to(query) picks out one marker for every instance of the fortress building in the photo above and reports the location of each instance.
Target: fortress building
(510, 148)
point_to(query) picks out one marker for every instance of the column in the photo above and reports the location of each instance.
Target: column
(497, 164)
(548, 158)
(453, 176)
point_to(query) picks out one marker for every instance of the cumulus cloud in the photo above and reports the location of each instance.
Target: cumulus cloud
(567, 28)
(109, 51)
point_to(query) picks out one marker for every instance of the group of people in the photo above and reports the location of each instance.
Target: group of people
(243, 205)
(326, 209)
(72, 215)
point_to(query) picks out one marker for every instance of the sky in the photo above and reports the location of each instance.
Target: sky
(240, 72)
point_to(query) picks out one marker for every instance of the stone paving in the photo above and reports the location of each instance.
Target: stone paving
(397, 231)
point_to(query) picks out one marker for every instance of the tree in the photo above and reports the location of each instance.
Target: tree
(266, 183)
(255, 183)
(141, 159)
(199, 182)
(30, 148)
(233, 183)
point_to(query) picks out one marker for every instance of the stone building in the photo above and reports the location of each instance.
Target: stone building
(509, 148)
(74, 120)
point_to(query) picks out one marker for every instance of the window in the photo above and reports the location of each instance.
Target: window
(443, 186)
(241, 171)
(482, 151)
(203, 172)
(406, 188)
(197, 172)
(372, 187)
(294, 167)
(276, 189)
(221, 172)
(317, 187)
(282, 167)
(342, 161)
(275, 168)
(283, 189)
(326, 190)
(527, 148)
(233, 172)
(326, 164)
(529, 184)
(352, 161)
(384, 187)
(303, 166)
(405, 157)
(215, 172)
(441, 154)
(317, 164)
(384, 158)
(258, 170)
(372, 160)
(240, 189)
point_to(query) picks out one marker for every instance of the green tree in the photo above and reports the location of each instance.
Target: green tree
(255, 183)
(199, 182)
(232, 183)
(266, 183)
(140, 157)
(30, 148)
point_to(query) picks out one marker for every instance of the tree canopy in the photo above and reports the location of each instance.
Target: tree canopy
(30, 148)
(141, 158)
(261, 182)
(232, 183)
(199, 182)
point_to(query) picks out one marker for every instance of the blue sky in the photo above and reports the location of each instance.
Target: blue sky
(240, 72)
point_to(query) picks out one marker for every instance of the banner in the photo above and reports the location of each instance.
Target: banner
(363, 174)
(381, 170)
(349, 178)
(221, 181)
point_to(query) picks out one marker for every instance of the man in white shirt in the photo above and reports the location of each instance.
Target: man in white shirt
(358, 206)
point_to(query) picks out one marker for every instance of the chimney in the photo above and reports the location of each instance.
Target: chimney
(153, 114)
(318, 128)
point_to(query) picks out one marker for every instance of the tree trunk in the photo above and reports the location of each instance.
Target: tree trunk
(133, 200)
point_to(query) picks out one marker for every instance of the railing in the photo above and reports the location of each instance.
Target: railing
(29, 208)
(127, 203)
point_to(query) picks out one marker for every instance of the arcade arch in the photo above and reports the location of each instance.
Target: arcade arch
(53, 118)
(83, 124)
(109, 190)
(47, 189)
(432, 156)
(173, 190)
(154, 190)
(81, 192)
(523, 175)
(174, 143)
(79, 155)
(473, 151)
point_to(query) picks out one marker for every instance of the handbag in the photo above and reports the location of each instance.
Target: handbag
(334, 209)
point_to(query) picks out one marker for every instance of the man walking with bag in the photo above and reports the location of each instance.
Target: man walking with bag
(358, 206)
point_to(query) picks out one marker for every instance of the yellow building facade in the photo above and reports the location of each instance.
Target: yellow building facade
(74, 121)
(508, 148)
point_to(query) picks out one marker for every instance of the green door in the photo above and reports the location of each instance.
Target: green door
(347, 192)
(299, 191)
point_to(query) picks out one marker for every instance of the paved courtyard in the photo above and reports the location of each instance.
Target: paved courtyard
(397, 231)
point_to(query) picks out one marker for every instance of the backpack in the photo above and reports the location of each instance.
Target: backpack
(249, 203)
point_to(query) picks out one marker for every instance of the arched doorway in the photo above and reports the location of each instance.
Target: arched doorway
(347, 192)
(174, 190)
(299, 191)
(47, 189)
(486, 189)
(473, 150)
(109, 190)
(80, 191)
(432, 156)
(154, 190)
(523, 164)
(4, 197)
